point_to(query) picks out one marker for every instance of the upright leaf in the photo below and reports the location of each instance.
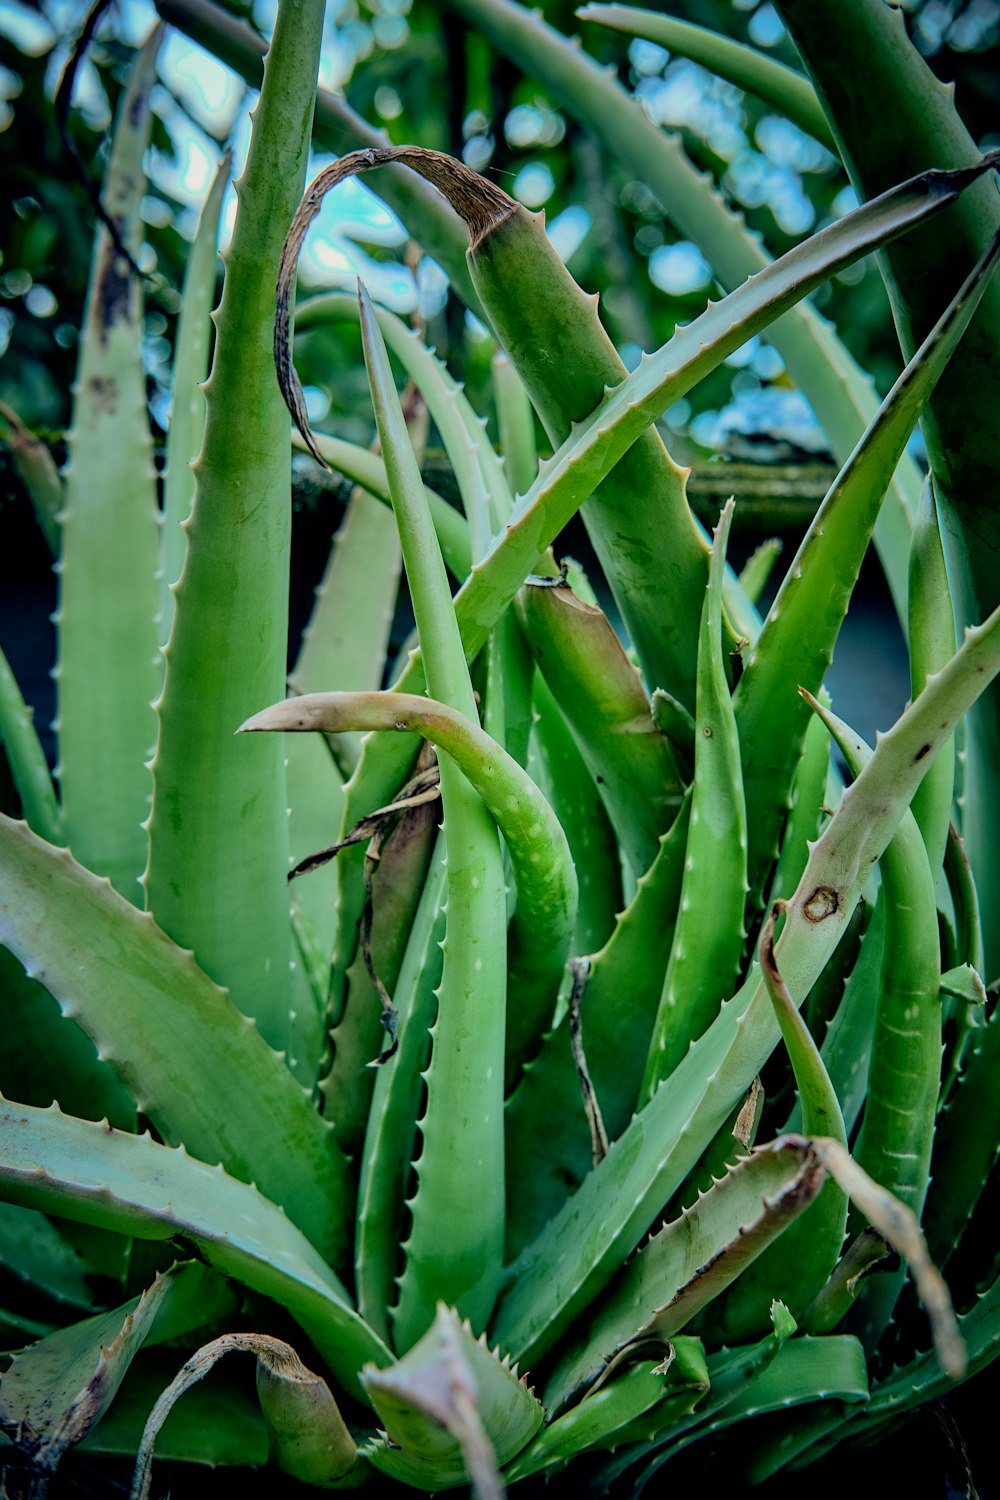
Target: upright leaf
(109, 668)
(219, 831)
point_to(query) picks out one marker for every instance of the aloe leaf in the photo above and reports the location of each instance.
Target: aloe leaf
(825, 997)
(516, 422)
(109, 669)
(34, 1252)
(796, 642)
(26, 759)
(196, 1067)
(543, 870)
(187, 407)
(596, 444)
(336, 127)
(128, 1183)
(37, 469)
(819, 1374)
(637, 1405)
(366, 469)
(602, 698)
(730, 1373)
(808, 791)
(46, 1056)
(57, 1390)
(963, 983)
(315, 811)
(620, 998)
(391, 1130)
(932, 642)
(692, 1260)
(797, 1267)
(450, 1252)
(453, 1408)
(966, 1142)
(840, 393)
(897, 1130)
(924, 125)
(309, 1438)
(344, 646)
(781, 88)
(806, 1369)
(345, 642)
(707, 948)
(570, 788)
(219, 830)
(479, 474)
(509, 250)
(609, 1213)
(923, 1379)
(847, 1044)
(757, 569)
(362, 1036)
(224, 1427)
(673, 720)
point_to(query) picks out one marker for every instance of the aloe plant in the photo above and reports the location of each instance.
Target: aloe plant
(477, 1107)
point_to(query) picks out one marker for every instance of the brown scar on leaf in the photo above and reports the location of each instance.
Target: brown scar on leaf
(824, 902)
(924, 750)
(579, 969)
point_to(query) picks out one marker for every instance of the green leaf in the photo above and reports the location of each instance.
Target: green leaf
(602, 699)
(707, 949)
(637, 1405)
(219, 830)
(569, 1262)
(109, 669)
(34, 1252)
(450, 1252)
(130, 1184)
(37, 469)
(187, 405)
(195, 1065)
(26, 759)
(453, 1409)
(797, 640)
(689, 1262)
(59, 1388)
(781, 88)
(839, 392)
(545, 914)
(309, 1438)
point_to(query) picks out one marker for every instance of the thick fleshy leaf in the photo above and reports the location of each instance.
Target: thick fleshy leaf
(194, 1064)
(59, 1388)
(452, 1409)
(131, 1184)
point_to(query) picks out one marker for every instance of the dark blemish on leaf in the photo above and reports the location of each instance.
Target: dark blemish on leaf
(600, 780)
(708, 731)
(112, 292)
(102, 393)
(924, 750)
(824, 902)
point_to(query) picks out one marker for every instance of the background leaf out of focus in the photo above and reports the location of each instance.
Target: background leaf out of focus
(415, 69)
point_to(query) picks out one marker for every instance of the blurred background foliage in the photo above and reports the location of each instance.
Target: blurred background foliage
(414, 69)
